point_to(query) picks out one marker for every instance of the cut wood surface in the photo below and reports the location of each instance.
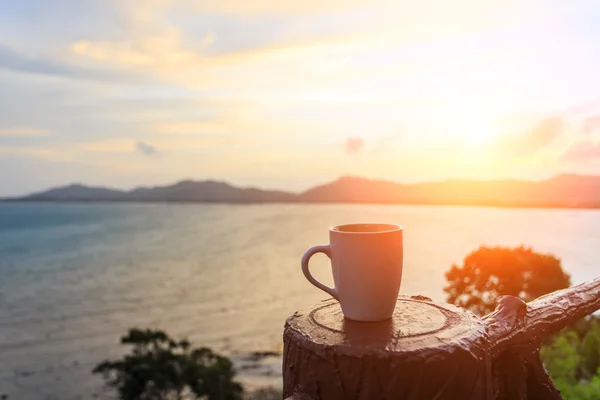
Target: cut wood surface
(424, 351)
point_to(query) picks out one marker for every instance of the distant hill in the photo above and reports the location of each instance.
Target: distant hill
(560, 191)
(184, 191)
(76, 192)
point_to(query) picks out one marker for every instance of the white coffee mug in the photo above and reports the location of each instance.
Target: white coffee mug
(366, 260)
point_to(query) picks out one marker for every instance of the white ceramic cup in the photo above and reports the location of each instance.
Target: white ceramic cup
(366, 260)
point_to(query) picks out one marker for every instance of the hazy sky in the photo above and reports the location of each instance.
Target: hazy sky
(289, 94)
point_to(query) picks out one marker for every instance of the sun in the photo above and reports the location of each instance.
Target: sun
(467, 125)
(475, 133)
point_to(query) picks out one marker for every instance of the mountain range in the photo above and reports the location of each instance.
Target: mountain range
(581, 191)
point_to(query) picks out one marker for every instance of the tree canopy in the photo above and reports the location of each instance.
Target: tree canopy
(490, 272)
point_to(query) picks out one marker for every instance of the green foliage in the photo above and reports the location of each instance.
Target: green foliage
(160, 368)
(490, 272)
(589, 390)
(562, 360)
(590, 348)
(573, 362)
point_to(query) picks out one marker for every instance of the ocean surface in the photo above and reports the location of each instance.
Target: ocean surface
(75, 277)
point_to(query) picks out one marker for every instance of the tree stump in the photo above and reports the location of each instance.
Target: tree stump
(425, 351)
(428, 350)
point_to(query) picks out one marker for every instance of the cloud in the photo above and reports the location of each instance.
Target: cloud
(269, 6)
(15, 61)
(162, 51)
(34, 152)
(582, 151)
(591, 125)
(189, 127)
(152, 44)
(308, 7)
(85, 151)
(146, 149)
(22, 131)
(529, 142)
(354, 145)
(543, 133)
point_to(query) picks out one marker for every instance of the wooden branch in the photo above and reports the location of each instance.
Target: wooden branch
(559, 309)
(505, 326)
(515, 323)
(515, 331)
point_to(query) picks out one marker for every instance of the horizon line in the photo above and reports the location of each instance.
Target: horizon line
(347, 176)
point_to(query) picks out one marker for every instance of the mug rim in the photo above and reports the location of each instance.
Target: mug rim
(392, 228)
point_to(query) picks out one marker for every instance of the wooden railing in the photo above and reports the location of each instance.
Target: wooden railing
(429, 350)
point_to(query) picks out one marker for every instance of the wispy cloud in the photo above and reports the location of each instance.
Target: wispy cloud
(36, 152)
(13, 60)
(543, 133)
(149, 43)
(105, 150)
(591, 125)
(163, 50)
(530, 141)
(146, 149)
(18, 62)
(190, 127)
(271, 6)
(23, 131)
(581, 152)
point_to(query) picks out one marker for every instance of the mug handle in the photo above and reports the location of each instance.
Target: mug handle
(305, 259)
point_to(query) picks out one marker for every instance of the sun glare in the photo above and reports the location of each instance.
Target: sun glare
(476, 134)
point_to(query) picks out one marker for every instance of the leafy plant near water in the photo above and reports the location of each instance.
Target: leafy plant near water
(161, 368)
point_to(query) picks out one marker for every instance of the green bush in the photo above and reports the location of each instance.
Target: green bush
(161, 368)
(573, 362)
